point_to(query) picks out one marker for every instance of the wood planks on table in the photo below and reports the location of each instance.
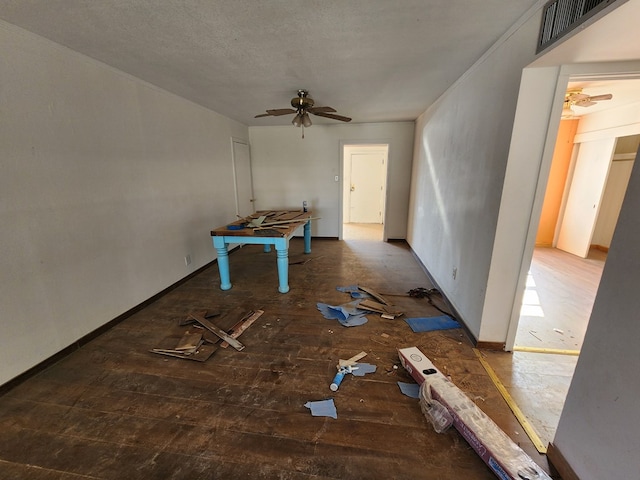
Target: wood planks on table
(285, 219)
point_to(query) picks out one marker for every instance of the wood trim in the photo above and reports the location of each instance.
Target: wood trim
(56, 357)
(560, 463)
(498, 346)
(601, 248)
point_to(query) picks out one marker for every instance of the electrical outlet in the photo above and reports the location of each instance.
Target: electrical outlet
(337, 178)
(454, 273)
(187, 260)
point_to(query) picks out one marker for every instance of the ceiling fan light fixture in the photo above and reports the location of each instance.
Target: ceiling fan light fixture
(306, 121)
(297, 120)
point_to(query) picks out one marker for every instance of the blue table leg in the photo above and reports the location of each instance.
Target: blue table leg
(307, 237)
(282, 250)
(223, 262)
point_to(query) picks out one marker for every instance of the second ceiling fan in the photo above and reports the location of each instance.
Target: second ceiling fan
(575, 97)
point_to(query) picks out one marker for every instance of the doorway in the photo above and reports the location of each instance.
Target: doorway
(584, 195)
(242, 176)
(364, 187)
(543, 380)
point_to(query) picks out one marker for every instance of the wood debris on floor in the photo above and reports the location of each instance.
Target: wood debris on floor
(201, 339)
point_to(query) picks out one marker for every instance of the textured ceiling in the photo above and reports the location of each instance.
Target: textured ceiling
(372, 60)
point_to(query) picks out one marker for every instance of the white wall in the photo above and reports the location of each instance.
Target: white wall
(107, 183)
(614, 191)
(461, 148)
(623, 122)
(288, 169)
(598, 430)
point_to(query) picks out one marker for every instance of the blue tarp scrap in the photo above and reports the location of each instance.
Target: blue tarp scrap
(428, 324)
(361, 369)
(354, 291)
(348, 314)
(323, 408)
(410, 389)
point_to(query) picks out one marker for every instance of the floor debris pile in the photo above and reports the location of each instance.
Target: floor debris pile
(202, 337)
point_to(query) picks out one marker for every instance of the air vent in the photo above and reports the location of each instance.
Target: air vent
(559, 17)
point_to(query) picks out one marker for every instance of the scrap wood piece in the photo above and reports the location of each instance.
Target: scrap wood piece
(387, 311)
(189, 341)
(352, 361)
(256, 222)
(289, 222)
(375, 295)
(239, 328)
(203, 313)
(218, 331)
(281, 227)
(290, 215)
(200, 355)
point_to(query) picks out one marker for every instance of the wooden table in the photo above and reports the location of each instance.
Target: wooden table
(276, 229)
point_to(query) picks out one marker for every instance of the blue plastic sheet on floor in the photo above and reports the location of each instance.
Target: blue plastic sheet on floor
(354, 291)
(348, 289)
(323, 408)
(348, 314)
(361, 369)
(428, 324)
(410, 389)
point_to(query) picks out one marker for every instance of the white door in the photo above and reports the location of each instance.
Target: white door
(367, 184)
(585, 195)
(243, 178)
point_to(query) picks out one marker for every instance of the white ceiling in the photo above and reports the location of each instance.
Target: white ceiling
(372, 60)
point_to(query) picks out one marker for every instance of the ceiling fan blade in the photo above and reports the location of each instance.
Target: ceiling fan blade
(281, 111)
(576, 97)
(585, 103)
(333, 116)
(320, 109)
(262, 115)
(597, 98)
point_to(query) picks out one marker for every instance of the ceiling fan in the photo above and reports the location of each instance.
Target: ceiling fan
(303, 105)
(575, 97)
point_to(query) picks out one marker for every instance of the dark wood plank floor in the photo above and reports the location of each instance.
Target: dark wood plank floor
(112, 410)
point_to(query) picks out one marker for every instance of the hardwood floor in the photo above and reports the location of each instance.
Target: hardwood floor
(113, 410)
(558, 299)
(560, 292)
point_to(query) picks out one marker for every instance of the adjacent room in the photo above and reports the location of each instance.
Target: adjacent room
(472, 161)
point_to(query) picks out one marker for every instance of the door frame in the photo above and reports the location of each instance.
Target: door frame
(364, 143)
(533, 139)
(241, 141)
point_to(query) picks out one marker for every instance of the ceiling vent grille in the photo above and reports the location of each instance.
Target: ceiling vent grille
(559, 17)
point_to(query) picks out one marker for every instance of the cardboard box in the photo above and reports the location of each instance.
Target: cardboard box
(503, 456)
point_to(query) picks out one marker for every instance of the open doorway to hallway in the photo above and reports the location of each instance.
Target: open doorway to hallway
(364, 191)
(582, 202)
(584, 193)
